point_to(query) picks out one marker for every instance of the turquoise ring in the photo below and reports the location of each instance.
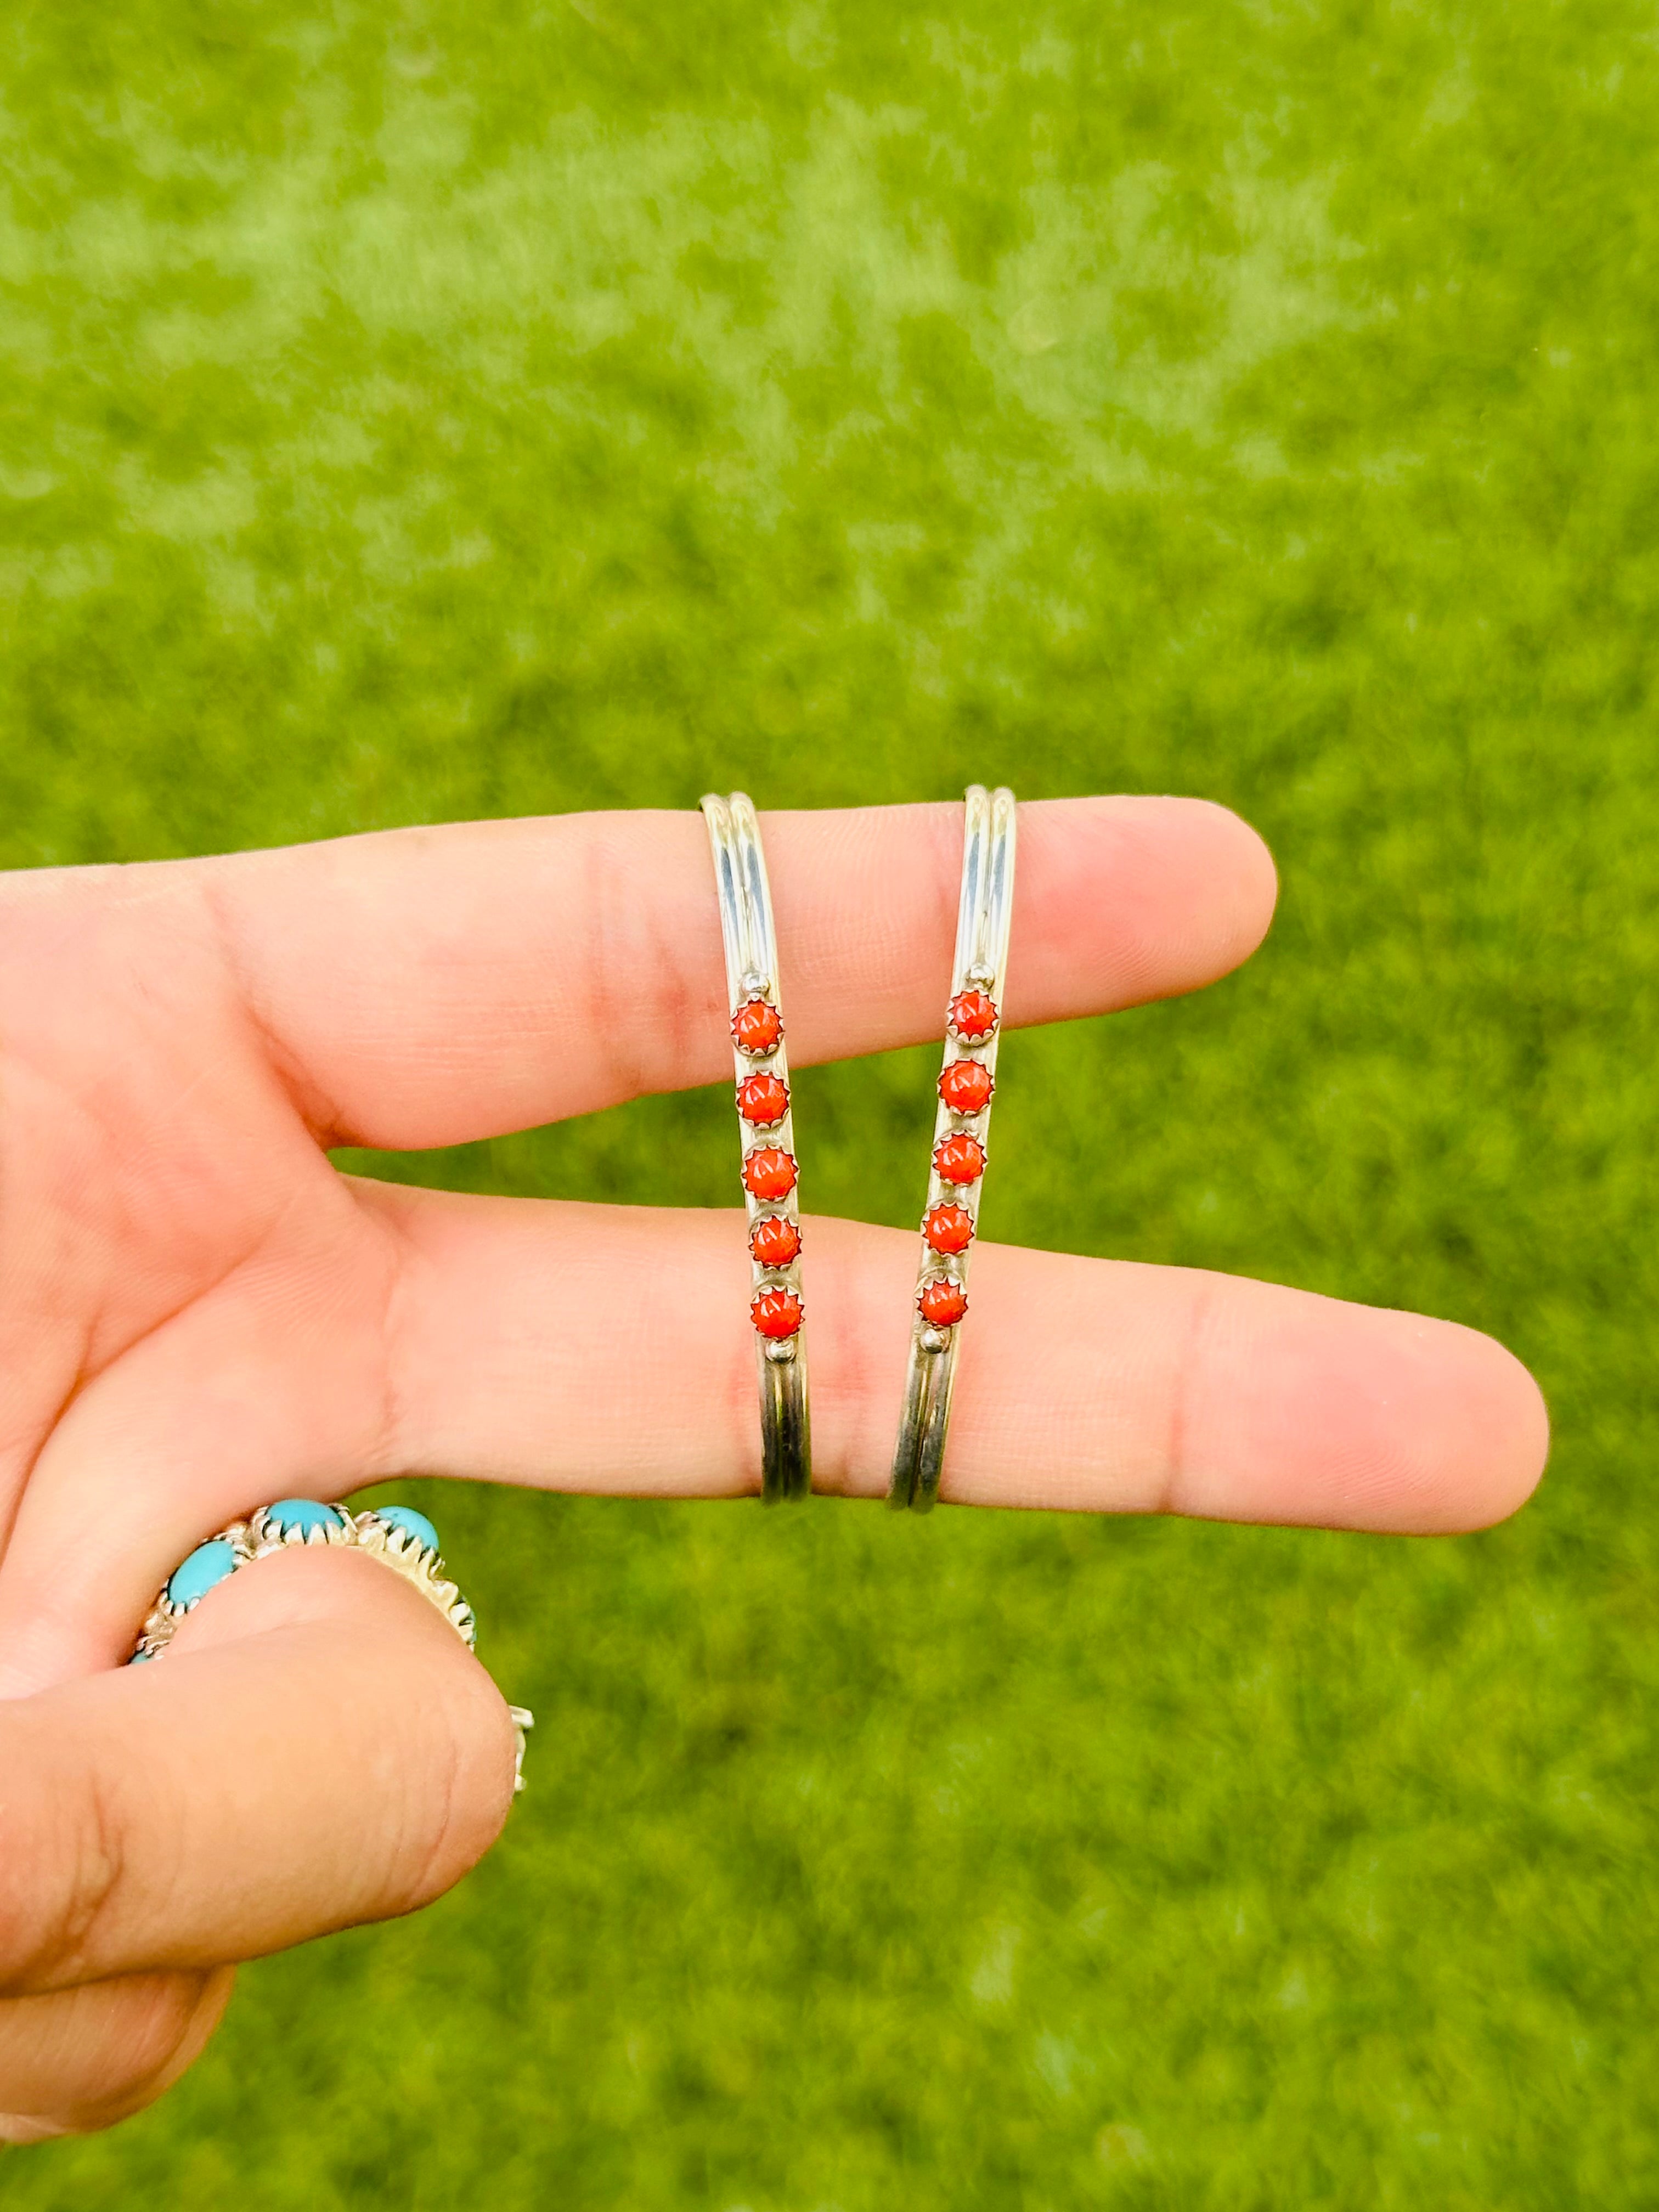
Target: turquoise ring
(396, 1535)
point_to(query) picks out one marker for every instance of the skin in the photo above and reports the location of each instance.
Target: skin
(198, 1313)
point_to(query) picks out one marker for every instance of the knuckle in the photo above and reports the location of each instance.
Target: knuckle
(675, 980)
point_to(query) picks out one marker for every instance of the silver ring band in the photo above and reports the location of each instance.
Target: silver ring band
(770, 1176)
(966, 1080)
(399, 1538)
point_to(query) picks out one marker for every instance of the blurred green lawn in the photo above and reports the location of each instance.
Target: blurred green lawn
(423, 410)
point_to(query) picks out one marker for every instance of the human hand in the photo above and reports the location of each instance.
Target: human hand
(198, 1313)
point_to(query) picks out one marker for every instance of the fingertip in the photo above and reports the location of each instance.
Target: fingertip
(485, 1772)
(1127, 899)
(1247, 861)
(1228, 882)
(1496, 1454)
(1442, 1430)
(1310, 1410)
(1460, 1427)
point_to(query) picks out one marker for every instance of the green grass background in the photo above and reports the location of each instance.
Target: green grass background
(423, 411)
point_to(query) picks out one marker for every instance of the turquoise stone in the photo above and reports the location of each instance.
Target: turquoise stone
(299, 1516)
(139, 1657)
(412, 1522)
(208, 1564)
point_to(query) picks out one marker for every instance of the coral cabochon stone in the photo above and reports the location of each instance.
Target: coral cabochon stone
(762, 1099)
(769, 1172)
(776, 1313)
(774, 1241)
(966, 1086)
(973, 1016)
(758, 1028)
(949, 1228)
(943, 1303)
(959, 1159)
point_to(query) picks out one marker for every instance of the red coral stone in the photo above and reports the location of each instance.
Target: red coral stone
(949, 1228)
(973, 1015)
(774, 1242)
(942, 1302)
(960, 1158)
(775, 1313)
(762, 1099)
(769, 1172)
(756, 1028)
(965, 1086)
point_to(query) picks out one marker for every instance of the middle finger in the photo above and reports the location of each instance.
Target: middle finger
(516, 1351)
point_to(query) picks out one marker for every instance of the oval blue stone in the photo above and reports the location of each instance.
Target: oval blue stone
(412, 1522)
(289, 1515)
(208, 1564)
(139, 1657)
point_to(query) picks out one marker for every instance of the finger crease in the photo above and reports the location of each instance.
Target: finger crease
(1177, 1442)
(625, 940)
(98, 1865)
(322, 1115)
(391, 1441)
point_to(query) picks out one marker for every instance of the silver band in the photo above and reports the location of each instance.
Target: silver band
(974, 1025)
(760, 1066)
(397, 1537)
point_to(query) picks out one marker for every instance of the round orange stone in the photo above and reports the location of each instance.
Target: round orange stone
(762, 1099)
(774, 1242)
(960, 1158)
(949, 1228)
(966, 1086)
(973, 1016)
(776, 1313)
(757, 1029)
(769, 1172)
(943, 1303)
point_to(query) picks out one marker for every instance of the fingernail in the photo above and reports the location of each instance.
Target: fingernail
(16, 2129)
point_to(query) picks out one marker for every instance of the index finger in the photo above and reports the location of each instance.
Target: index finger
(430, 987)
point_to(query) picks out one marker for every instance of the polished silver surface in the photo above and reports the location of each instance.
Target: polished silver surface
(751, 976)
(984, 912)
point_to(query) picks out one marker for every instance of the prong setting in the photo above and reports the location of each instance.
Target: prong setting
(770, 1172)
(967, 1085)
